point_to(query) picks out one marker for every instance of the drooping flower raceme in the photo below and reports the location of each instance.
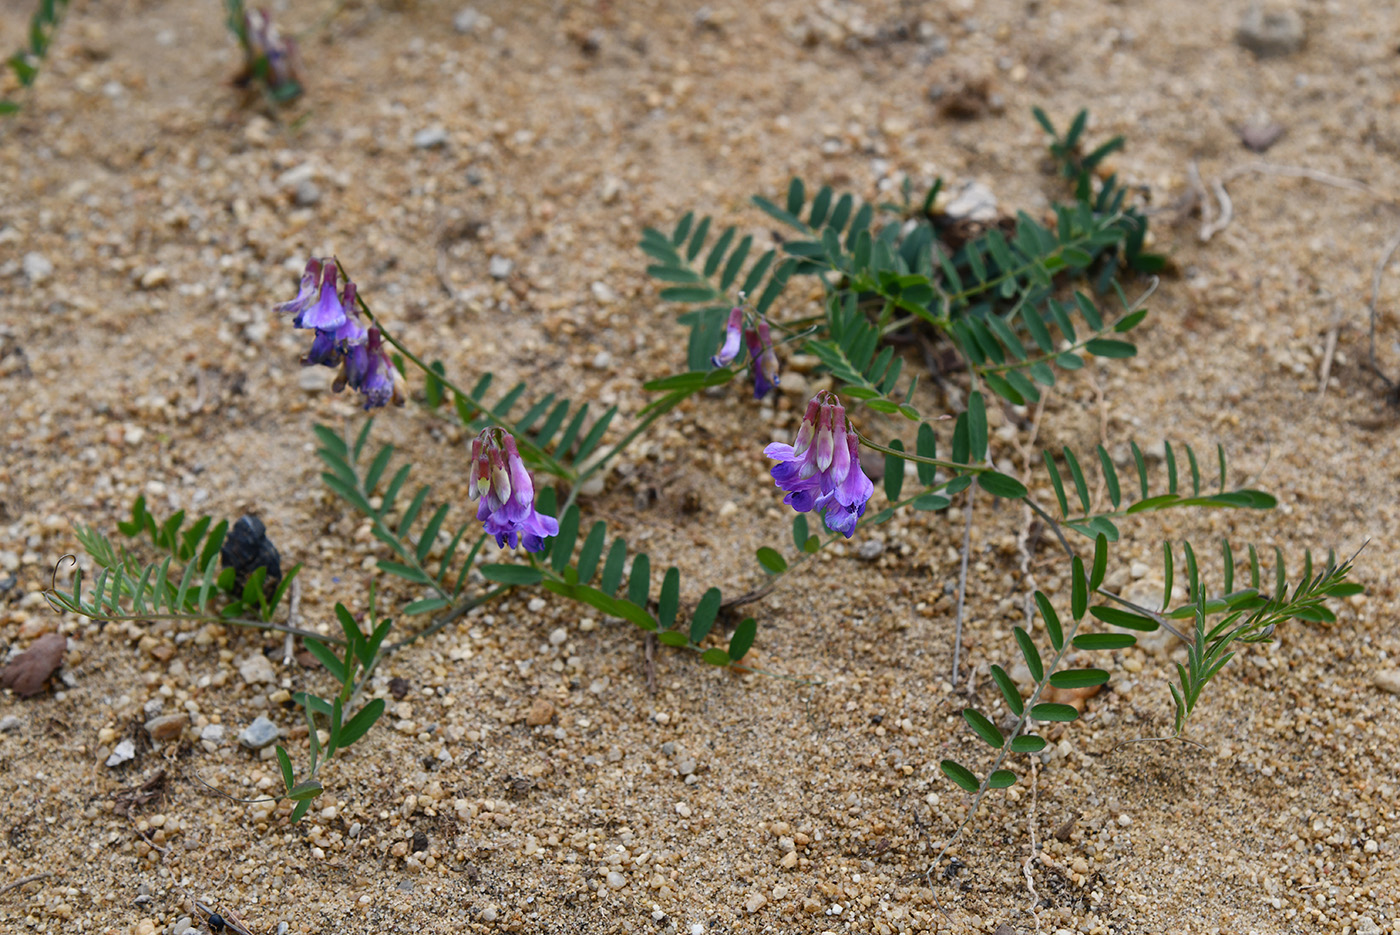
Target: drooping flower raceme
(821, 469)
(763, 362)
(507, 493)
(342, 340)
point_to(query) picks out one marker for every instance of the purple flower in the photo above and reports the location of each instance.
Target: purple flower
(310, 282)
(325, 351)
(732, 334)
(507, 493)
(368, 369)
(762, 360)
(821, 469)
(327, 312)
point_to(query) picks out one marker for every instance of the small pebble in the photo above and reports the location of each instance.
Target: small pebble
(213, 733)
(307, 193)
(37, 267)
(9, 723)
(682, 810)
(167, 726)
(259, 734)
(124, 753)
(430, 138)
(755, 902)
(1387, 680)
(182, 925)
(467, 21)
(616, 880)
(312, 380)
(155, 277)
(500, 267)
(558, 637)
(540, 713)
(1270, 31)
(256, 669)
(489, 914)
(869, 550)
(686, 766)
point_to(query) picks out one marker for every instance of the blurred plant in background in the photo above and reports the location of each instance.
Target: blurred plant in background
(270, 60)
(24, 64)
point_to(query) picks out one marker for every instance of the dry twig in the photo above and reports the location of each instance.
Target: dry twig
(1210, 226)
(32, 878)
(1035, 850)
(1386, 253)
(1327, 355)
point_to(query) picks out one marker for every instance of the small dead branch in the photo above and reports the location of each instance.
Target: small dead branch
(1035, 850)
(32, 878)
(1386, 253)
(293, 612)
(1211, 225)
(649, 645)
(1325, 373)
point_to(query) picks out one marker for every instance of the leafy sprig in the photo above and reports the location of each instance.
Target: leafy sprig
(183, 585)
(1089, 522)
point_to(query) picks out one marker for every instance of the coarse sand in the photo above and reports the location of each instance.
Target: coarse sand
(485, 174)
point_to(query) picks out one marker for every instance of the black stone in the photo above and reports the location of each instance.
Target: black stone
(246, 549)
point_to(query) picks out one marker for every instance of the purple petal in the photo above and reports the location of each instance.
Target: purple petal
(326, 313)
(306, 293)
(730, 350)
(324, 350)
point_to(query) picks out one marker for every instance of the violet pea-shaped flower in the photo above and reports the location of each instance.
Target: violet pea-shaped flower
(507, 493)
(306, 294)
(763, 362)
(821, 469)
(733, 332)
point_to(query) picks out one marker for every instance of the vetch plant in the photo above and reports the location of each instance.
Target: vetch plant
(1018, 304)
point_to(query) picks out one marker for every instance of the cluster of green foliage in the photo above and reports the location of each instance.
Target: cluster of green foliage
(1020, 302)
(25, 62)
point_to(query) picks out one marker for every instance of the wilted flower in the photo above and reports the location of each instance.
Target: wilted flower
(507, 493)
(821, 469)
(763, 362)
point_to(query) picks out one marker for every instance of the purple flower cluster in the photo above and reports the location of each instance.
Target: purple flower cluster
(507, 493)
(821, 469)
(763, 362)
(342, 340)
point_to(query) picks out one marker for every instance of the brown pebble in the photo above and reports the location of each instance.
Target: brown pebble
(1076, 698)
(540, 713)
(1258, 139)
(167, 726)
(28, 672)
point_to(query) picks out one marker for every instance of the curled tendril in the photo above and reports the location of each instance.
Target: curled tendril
(53, 578)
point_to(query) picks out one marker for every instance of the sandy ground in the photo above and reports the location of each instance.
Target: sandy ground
(140, 356)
